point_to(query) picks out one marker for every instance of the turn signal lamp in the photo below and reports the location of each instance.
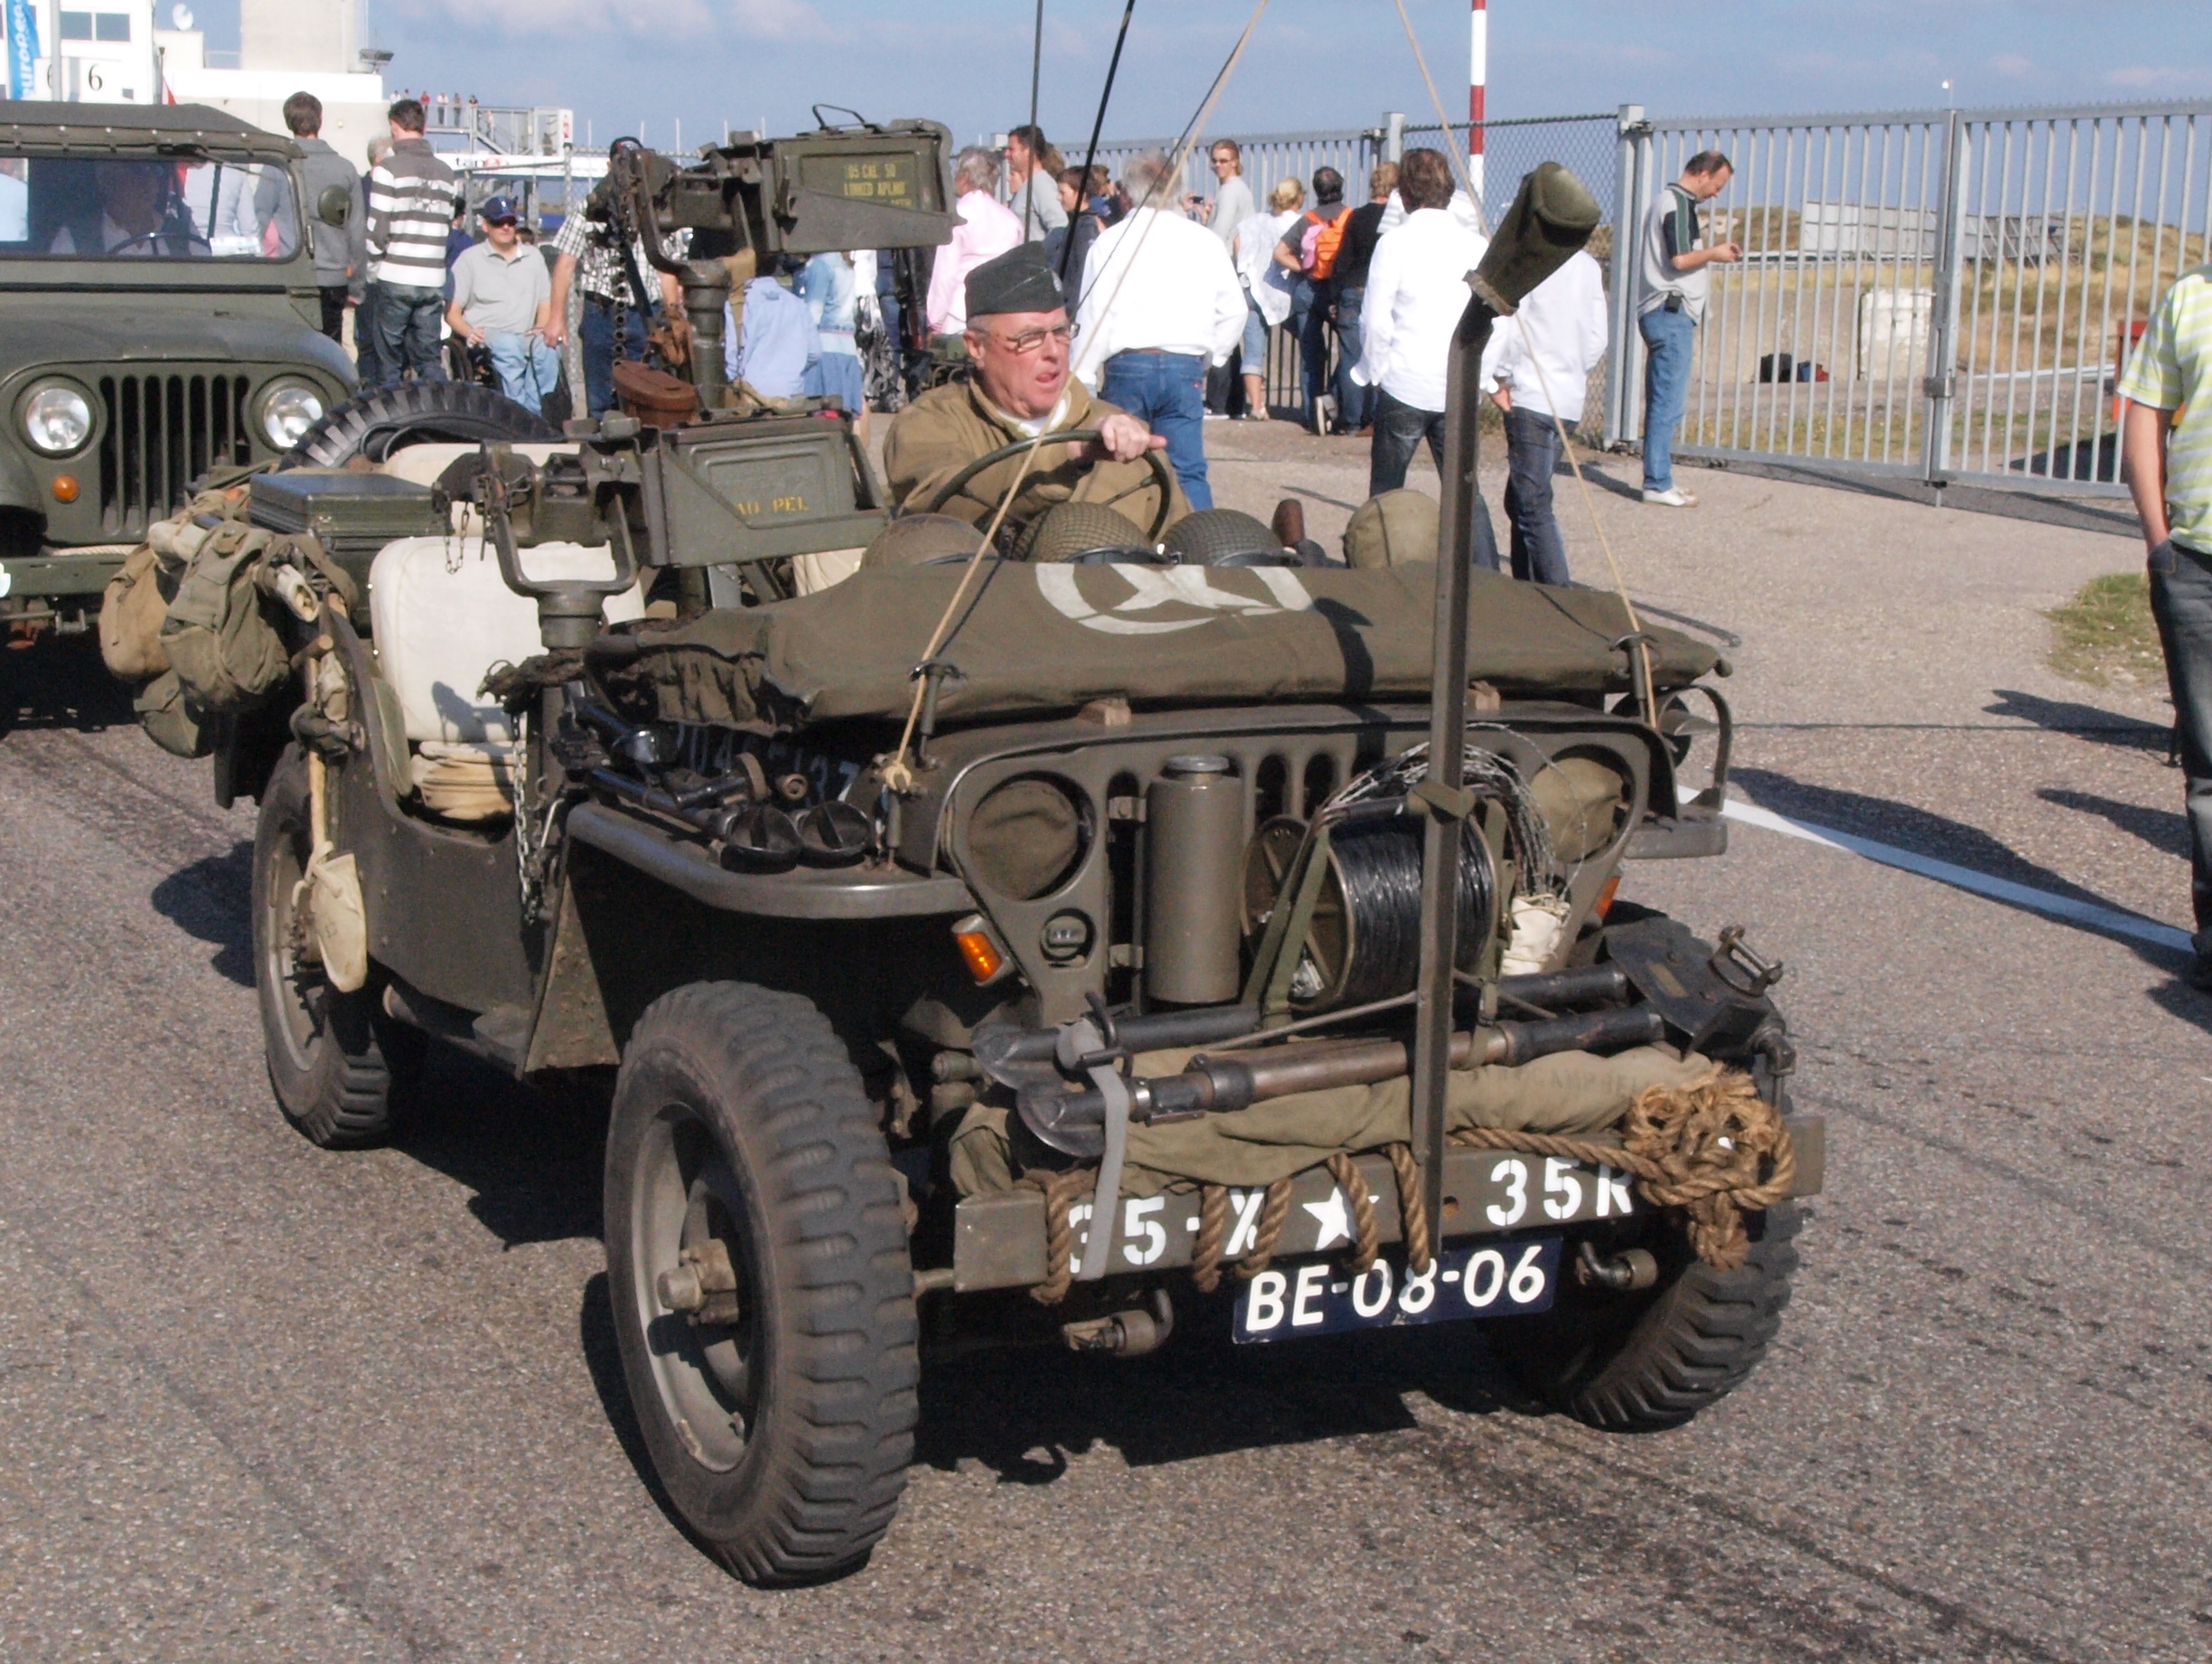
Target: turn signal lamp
(980, 949)
(1605, 897)
(65, 488)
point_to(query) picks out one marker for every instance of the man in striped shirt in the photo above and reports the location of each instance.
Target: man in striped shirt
(412, 201)
(2166, 451)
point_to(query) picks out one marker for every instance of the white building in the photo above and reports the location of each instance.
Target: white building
(117, 51)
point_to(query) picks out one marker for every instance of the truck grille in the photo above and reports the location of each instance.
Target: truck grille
(162, 432)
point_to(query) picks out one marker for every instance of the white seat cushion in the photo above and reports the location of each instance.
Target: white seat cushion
(442, 616)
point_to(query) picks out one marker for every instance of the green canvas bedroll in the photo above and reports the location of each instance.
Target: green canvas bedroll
(1044, 638)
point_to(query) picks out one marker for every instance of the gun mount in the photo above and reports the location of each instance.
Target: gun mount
(864, 186)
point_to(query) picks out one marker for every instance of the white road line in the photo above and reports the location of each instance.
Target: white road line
(1963, 877)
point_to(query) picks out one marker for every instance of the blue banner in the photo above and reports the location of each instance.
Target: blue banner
(23, 49)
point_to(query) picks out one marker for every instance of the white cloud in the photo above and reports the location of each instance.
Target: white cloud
(2013, 65)
(2155, 77)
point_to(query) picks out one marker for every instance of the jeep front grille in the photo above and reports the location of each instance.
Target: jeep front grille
(162, 432)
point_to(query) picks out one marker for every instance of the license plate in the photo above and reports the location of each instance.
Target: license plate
(1499, 1279)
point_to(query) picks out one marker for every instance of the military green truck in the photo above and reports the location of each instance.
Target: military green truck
(158, 317)
(1094, 943)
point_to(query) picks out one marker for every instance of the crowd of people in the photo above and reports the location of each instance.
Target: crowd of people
(1173, 301)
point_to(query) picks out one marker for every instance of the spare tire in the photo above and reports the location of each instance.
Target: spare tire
(1224, 537)
(376, 424)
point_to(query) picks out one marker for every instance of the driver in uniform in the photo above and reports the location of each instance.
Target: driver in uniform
(1018, 387)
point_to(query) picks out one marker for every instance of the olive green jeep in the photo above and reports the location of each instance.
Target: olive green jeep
(158, 315)
(1094, 944)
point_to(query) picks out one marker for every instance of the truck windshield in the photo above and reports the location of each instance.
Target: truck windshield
(145, 210)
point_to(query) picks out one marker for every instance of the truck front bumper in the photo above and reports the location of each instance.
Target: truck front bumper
(58, 580)
(998, 1240)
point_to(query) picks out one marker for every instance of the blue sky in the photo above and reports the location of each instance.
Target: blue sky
(1314, 63)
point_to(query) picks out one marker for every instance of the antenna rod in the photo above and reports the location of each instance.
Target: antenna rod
(1083, 194)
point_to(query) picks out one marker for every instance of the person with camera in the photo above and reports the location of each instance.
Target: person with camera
(502, 301)
(1676, 261)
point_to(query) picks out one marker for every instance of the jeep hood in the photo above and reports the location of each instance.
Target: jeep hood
(39, 332)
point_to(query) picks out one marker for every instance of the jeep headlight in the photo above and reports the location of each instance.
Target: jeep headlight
(57, 419)
(289, 410)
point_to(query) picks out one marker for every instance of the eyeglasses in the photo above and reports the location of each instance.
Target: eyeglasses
(1030, 339)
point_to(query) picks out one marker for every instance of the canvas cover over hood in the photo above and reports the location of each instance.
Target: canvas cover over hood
(1034, 640)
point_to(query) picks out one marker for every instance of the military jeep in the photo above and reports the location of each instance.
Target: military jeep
(1107, 952)
(160, 320)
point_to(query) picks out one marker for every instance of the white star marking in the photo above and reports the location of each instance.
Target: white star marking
(1333, 1217)
(1334, 1225)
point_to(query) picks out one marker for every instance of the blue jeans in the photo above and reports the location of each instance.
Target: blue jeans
(1531, 455)
(1255, 338)
(368, 362)
(1669, 340)
(1399, 431)
(1168, 391)
(1355, 403)
(2181, 602)
(407, 336)
(597, 334)
(528, 369)
(1313, 352)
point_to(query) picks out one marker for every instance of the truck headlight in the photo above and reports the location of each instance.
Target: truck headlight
(289, 410)
(57, 419)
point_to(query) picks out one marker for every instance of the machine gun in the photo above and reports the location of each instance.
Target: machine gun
(861, 186)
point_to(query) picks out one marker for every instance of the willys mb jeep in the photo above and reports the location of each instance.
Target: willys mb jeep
(1073, 950)
(158, 322)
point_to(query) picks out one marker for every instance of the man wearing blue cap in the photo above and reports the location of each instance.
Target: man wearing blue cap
(502, 300)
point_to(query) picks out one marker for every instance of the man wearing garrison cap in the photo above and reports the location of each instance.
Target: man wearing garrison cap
(1018, 387)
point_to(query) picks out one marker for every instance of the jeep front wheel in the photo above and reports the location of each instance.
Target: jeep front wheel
(758, 1272)
(1641, 1362)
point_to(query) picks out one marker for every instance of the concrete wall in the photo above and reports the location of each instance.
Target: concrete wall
(322, 35)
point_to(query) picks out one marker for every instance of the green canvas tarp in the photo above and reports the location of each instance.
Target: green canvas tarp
(1043, 638)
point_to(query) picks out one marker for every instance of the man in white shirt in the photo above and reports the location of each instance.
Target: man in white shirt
(1161, 302)
(1416, 293)
(986, 229)
(1540, 360)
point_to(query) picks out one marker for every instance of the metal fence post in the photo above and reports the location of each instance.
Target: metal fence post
(1941, 384)
(1624, 418)
(1393, 135)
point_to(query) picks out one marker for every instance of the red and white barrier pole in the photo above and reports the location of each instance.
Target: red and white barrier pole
(1478, 77)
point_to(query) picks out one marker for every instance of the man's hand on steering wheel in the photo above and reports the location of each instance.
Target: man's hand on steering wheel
(1124, 439)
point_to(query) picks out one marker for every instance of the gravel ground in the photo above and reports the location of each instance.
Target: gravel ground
(259, 1401)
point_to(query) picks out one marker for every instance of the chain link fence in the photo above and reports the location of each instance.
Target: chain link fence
(1945, 296)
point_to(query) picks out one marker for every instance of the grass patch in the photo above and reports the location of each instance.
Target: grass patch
(2105, 634)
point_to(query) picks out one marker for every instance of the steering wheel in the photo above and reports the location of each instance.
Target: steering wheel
(154, 240)
(1156, 460)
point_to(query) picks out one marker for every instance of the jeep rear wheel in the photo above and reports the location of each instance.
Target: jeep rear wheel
(373, 425)
(1638, 1363)
(339, 1067)
(762, 1292)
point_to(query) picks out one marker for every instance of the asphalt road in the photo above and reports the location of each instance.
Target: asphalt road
(259, 1401)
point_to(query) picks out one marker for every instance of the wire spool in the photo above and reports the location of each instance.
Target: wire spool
(1363, 944)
